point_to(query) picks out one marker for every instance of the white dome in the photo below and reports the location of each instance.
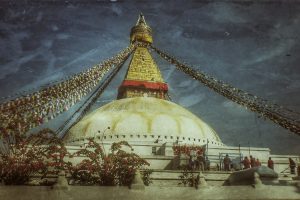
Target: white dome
(144, 118)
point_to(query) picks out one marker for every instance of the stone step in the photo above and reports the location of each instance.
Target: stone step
(174, 175)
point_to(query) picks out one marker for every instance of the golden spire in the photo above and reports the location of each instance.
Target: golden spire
(143, 78)
(142, 67)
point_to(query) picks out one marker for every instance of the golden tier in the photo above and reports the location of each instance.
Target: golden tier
(142, 67)
(143, 77)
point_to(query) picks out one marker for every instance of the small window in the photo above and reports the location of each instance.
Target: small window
(117, 136)
(145, 136)
(183, 138)
(203, 140)
(199, 140)
(111, 136)
(124, 136)
(166, 137)
(189, 138)
(104, 137)
(159, 136)
(194, 139)
(171, 137)
(152, 136)
(131, 136)
(138, 136)
(177, 138)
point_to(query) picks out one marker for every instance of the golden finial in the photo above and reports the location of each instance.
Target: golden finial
(141, 20)
(141, 31)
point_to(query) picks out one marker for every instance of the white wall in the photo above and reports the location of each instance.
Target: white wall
(160, 155)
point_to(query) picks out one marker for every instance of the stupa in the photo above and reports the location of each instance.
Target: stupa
(144, 116)
(142, 113)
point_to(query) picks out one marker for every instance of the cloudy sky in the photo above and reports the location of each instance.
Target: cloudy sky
(253, 46)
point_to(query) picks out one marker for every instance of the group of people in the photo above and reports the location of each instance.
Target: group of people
(23, 113)
(199, 162)
(292, 165)
(248, 163)
(251, 162)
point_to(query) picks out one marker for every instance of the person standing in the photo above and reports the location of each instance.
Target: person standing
(226, 162)
(201, 161)
(191, 163)
(257, 163)
(246, 163)
(194, 158)
(292, 165)
(207, 164)
(270, 163)
(197, 165)
(252, 161)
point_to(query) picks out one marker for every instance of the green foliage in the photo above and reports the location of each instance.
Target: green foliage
(146, 176)
(22, 156)
(188, 178)
(43, 153)
(116, 168)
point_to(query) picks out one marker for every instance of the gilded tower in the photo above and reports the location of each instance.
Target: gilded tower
(143, 77)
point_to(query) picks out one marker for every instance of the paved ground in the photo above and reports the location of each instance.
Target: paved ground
(151, 192)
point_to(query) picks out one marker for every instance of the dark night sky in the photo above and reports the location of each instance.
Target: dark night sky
(253, 46)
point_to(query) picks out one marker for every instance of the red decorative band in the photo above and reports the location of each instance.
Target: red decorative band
(145, 84)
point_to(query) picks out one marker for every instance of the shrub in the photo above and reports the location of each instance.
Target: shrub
(146, 176)
(188, 178)
(23, 156)
(116, 168)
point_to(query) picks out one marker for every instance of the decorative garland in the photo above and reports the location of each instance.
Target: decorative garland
(24, 113)
(286, 118)
(91, 99)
